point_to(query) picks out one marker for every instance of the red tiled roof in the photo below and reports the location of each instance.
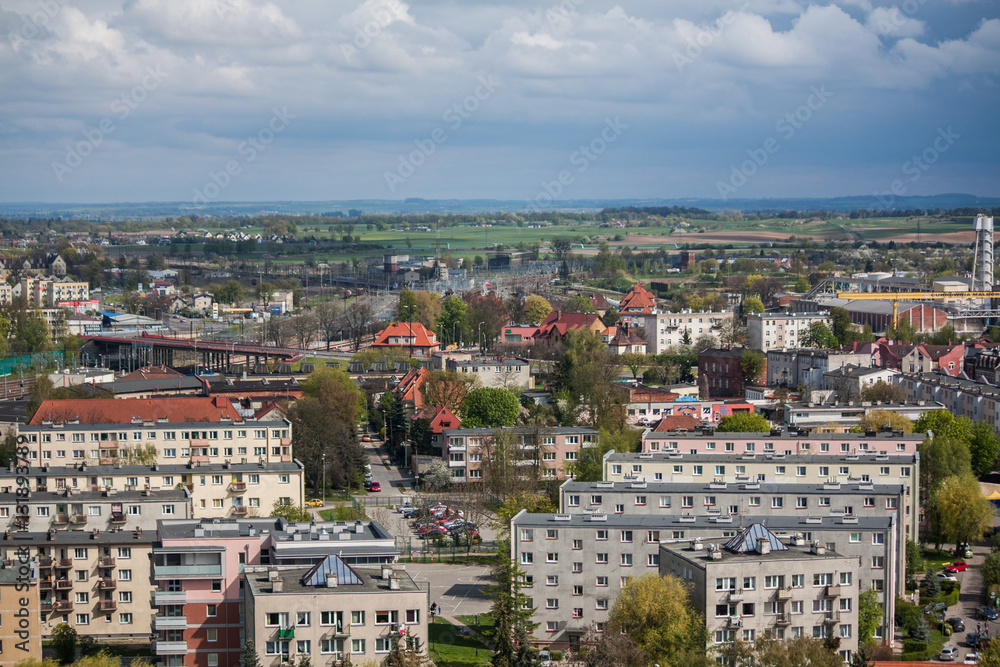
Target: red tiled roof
(561, 322)
(639, 299)
(444, 419)
(267, 407)
(675, 422)
(177, 409)
(422, 337)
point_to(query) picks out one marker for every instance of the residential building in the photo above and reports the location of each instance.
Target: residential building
(666, 330)
(756, 585)
(410, 336)
(332, 611)
(20, 630)
(848, 382)
(638, 303)
(442, 418)
(655, 404)
(805, 367)
(723, 372)
(557, 324)
(946, 358)
(549, 448)
(95, 581)
(518, 334)
(198, 574)
(786, 443)
(626, 340)
(409, 389)
(766, 331)
(72, 510)
(575, 564)
(846, 415)
(495, 371)
(960, 397)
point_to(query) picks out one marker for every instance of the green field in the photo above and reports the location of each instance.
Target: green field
(451, 648)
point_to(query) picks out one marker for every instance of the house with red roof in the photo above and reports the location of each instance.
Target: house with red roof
(627, 340)
(638, 302)
(924, 358)
(557, 324)
(679, 422)
(411, 336)
(408, 388)
(443, 418)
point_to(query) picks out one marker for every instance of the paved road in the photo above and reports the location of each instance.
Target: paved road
(969, 600)
(457, 589)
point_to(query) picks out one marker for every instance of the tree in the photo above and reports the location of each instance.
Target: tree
(781, 653)
(604, 649)
(290, 512)
(249, 657)
(753, 363)
(733, 332)
(983, 448)
(31, 335)
(656, 612)
(753, 304)
(407, 307)
(633, 361)
(448, 389)
(41, 392)
(874, 420)
(536, 309)
(487, 311)
(589, 374)
(991, 570)
(869, 616)
(611, 316)
(64, 640)
(329, 321)
(231, 292)
(452, 324)
(744, 422)
(932, 585)
(964, 512)
(358, 318)
(488, 407)
(883, 392)
(437, 476)
(842, 328)
(589, 466)
(579, 304)
(303, 327)
(820, 336)
(512, 623)
(428, 309)
(705, 342)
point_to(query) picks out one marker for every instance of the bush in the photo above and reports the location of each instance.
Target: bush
(921, 631)
(907, 614)
(913, 646)
(557, 655)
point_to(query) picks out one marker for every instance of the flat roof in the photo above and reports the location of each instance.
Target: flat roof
(652, 521)
(731, 487)
(543, 430)
(736, 458)
(171, 468)
(81, 538)
(703, 556)
(786, 435)
(93, 496)
(281, 531)
(291, 578)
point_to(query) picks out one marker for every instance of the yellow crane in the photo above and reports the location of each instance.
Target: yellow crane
(895, 297)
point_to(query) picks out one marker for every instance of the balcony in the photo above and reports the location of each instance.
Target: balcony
(736, 596)
(64, 585)
(784, 594)
(107, 584)
(169, 597)
(831, 618)
(286, 633)
(41, 488)
(238, 487)
(45, 584)
(78, 519)
(340, 631)
(45, 561)
(735, 622)
(169, 622)
(182, 571)
(456, 448)
(105, 561)
(169, 648)
(64, 563)
(63, 605)
(833, 591)
(239, 510)
(106, 460)
(45, 606)
(200, 458)
(60, 519)
(117, 517)
(108, 605)
(782, 621)
(456, 464)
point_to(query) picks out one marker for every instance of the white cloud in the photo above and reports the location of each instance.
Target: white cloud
(892, 22)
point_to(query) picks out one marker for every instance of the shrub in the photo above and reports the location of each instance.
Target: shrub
(907, 614)
(913, 646)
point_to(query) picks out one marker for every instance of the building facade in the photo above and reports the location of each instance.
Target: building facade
(550, 449)
(782, 330)
(666, 330)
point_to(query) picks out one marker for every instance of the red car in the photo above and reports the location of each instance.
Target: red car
(374, 486)
(957, 566)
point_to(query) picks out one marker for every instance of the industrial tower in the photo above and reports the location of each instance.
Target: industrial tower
(982, 270)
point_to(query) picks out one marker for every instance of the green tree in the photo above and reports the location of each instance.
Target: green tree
(770, 652)
(944, 423)
(991, 570)
(874, 420)
(64, 640)
(41, 392)
(843, 329)
(656, 612)
(607, 264)
(453, 325)
(753, 304)
(820, 336)
(536, 309)
(579, 304)
(489, 407)
(932, 585)
(589, 374)
(869, 616)
(32, 336)
(753, 363)
(290, 512)
(883, 392)
(983, 448)
(633, 361)
(249, 657)
(407, 309)
(231, 292)
(448, 389)
(589, 466)
(437, 476)
(744, 422)
(512, 625)
(964, 512)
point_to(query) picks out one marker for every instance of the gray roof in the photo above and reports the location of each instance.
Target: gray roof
(82, 538)
(852, 371)
(781, 523)
(174, 468)
(738, 458)
(331, 565)
(371, 581)
(709, 487)
(702, 558)
(746, 541)
(543, 430)
(92, 496)
(784, 435)
(282, 531)
(151, 384)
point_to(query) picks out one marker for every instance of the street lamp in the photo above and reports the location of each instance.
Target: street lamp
(480, 338)
(324, 479)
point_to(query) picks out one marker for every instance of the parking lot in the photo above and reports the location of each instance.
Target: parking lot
(457, 589)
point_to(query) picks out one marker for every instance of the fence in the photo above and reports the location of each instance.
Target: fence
(380, 500)
(30, 361)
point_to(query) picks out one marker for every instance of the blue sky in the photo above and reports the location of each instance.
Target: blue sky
(222, 100)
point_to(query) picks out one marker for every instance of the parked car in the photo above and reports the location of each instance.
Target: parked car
(374, 487)
(957, 566)
(957, 624)
(973, 639)
(315, 502)
(366, 438)
(946, 576)
(971, 658)
(988, 613)
(948, 654)
(964, 550)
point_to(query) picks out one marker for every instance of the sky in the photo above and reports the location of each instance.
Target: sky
(244, 100)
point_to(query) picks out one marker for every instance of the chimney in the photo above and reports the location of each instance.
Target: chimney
(386, 572)
(393, 583)
(277, 585)
(331, 580)
(763, 546)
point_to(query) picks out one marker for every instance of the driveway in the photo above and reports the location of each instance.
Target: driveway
(457, 589)
(969, 600)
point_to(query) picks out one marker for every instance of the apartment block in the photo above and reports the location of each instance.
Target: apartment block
(494, 371)
(850, 413)
(575, 564)
(88, 510)
(650, 404)
(782, 330)
(805, 367)
(171, 430)
(666, 330)
(963, 398)
(549, 448)
(95, 581)
(198, 576)
(238, 489)
(788, 443)
(20, 633)
(756, 585)
(332, 612)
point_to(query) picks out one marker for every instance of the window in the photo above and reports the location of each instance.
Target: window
(125, 619)
(777, 503)
(124, 596)
(527, 534)
(386, 617)
(41, 511)
(891, 503)
(124, 575)
(357, 646)
(212, 610)
(552, 557)
(596, 500)
(687, 501)
(527, 558)
(551, 534)
(82, 598)
(212, 635)
(845, 578)
(577, 545)
(578, 567)
(336, 646)
(800, 471)
(779, 470)
(797, 606)
(774, 582)
(626, 536)
(878, 538)
(83, 619)
(573, 501)
(626, 560)
(798, 580)
(709, 501)
(754, 501)
(640, 500)
(551, 603)
(601, 535)
(577, 590)
(602, 559)
(822, 579)
(620, 508)
(551, 626)
(357, 618)
(878, 562)
(725, 584)
(412, 616)
(824, 501)
(602, 604)
(552, 580)
(664, 501)
(749, 583)
(824, 471)
(601, 581)
(168, 509)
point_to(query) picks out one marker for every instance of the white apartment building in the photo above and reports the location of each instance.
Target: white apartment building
(781, 330)
(665, 330)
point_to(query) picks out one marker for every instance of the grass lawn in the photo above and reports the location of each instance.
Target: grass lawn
(450, 648)
(936, 558)
(478, 622)
(343, 513)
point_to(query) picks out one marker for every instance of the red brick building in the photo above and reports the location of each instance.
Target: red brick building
(722, 374)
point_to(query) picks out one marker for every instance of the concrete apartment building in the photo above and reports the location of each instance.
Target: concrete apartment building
(575, 564)
(755, 584)
(238, 489)
(500, 372)
(171, 430)
(652, 404)
(766, 331)
(20, 632)
(198, 575)
(97, 582)
(550, 448)
(788, 443)
(846, 415)
(805, 367)
(332, 612)
(962, 398)
(666, 330)
(89, 510)
(847, 382)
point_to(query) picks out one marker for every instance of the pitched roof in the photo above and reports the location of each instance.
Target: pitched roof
(626, 337)
(332, 564)
(560, 322)
(444, 418)
(746, 541)
(639, 299)
(599, 301)
(151, 372)
(177, 409)
(676, 423)
(410, 384)
(421, 336)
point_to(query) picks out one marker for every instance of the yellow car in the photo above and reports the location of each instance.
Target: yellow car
(315, 502)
